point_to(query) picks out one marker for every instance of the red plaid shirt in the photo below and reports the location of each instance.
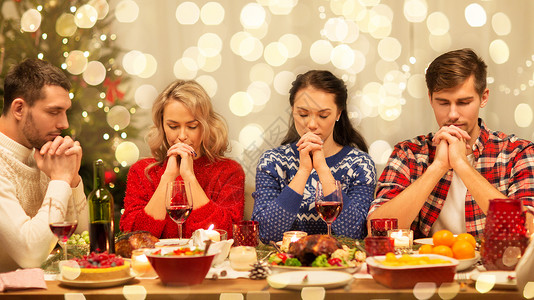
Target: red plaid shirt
(506, 161)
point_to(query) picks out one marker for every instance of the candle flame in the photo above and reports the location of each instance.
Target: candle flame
(211, 227)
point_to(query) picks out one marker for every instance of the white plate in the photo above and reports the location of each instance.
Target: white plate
(464, 264)
(95, 284)
(294, 280)
(498, 278)
(278, 269)
(172, 242)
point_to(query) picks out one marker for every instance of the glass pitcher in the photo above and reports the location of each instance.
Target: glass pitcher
(505, 234)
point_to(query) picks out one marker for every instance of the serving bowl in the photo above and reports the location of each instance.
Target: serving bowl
(180, 270)
(464, 264)
(403, 277)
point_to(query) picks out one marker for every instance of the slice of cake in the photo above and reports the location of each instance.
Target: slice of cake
(96, 267)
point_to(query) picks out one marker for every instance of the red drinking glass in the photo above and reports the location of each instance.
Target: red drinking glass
(379, 245)
(246, 233)
(380, 227)
(505, 234)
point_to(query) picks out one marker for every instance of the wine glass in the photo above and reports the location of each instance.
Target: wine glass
(177, 203)
(329, 206)
(62, 225)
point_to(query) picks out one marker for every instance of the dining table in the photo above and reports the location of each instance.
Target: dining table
(244, 288)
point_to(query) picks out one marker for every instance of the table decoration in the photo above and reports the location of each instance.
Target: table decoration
(402, 240)
(290, 237)
(242, 258)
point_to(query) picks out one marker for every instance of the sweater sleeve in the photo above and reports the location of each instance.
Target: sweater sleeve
(226, 192)
(139, 190)
(275, 204)
(28, 241)
(357, 197)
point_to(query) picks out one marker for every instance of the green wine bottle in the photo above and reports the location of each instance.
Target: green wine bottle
(101, 228)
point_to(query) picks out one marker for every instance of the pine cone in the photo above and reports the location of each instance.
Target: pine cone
(260, 270)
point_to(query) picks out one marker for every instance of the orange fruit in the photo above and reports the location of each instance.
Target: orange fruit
(443, 237)
(442, 250)
(425, 249)
(468, 238)
(463, 250)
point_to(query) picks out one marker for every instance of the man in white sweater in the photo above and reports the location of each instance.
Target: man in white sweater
(38, 167)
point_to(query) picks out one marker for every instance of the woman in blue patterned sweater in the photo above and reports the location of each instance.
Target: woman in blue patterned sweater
(321, 145)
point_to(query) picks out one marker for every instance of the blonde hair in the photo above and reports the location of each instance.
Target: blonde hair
(194, 97)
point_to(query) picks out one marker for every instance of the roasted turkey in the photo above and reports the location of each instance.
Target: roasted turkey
(308, 248)
(134, 240)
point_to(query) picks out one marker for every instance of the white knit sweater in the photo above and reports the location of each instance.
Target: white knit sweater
(25, 194)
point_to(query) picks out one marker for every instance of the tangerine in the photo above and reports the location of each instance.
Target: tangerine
(442, 250)
(468, 238)
(443, 237)
(425, 249)
(463, 250)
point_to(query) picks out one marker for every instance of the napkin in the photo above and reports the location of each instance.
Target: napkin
(22, 279)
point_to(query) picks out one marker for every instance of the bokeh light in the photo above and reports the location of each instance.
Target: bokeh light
(320, 51)
(424, 290)
(65, 25)
(145, 96)
(475, 15)
(118, 117)
(440, 43)
(523, 115)
(417, 86)
(187, 13)
(342, 57)
(151, 66)
(209, 44)
(336, 29)
(127, 153)
(292, 43)
(76, 62)
(241, 104)
(212, 13)
(101, 6)
(260, 92)
(276, 54)
(389, 49)
(134, 62)
(437, 23)
(415, 10)
(252, 15)
(528, 291)
(208, 83)
(499, 51)
(282, 82)
(485, 283)
(126, 11)
(212, 64)
(501, 24)
(86, 16)
(380, 151)
(95, 73)
(30, 20)
(251, 135)
(448, 290)
(251, 48)
(185, 68)
(262, 72)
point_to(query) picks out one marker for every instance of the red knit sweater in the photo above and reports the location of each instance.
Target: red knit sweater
(223, 182)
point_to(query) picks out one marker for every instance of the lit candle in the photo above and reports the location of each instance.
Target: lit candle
(402, 239)
(242, 258)
(290, 237)
(213, 235)
(140, 264)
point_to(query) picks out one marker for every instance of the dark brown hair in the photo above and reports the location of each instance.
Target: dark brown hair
(344, 134)
(27, 79)
(453, 68)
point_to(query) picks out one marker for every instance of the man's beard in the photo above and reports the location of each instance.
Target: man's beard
(31, 133)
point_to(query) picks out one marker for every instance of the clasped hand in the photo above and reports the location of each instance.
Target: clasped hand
(311, 155)
(451, 146)
(60, 159)
(180, 161)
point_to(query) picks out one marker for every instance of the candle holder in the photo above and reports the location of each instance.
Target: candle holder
(402, 240)
(223, 234)
(290, 237)
(242, 258)
(141, 267)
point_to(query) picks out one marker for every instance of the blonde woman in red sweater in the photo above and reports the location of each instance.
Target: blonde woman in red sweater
(188, 141)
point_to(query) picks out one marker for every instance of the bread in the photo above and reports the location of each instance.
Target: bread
(130, 241)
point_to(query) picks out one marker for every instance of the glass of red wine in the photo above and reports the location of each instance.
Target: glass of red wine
(61, 224)
(177, 203)
(329, 206)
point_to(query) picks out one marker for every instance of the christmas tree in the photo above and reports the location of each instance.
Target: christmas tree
(76, 36)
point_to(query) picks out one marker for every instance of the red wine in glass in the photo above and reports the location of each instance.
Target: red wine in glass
(63, 230)
(329, 210)
(179, 213)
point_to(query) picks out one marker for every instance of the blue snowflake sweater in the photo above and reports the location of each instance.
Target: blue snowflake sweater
(278, 208)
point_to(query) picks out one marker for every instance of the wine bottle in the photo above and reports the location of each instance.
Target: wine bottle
(101, 229)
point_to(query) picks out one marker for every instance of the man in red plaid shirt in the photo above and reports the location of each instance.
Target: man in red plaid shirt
(444, 180)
